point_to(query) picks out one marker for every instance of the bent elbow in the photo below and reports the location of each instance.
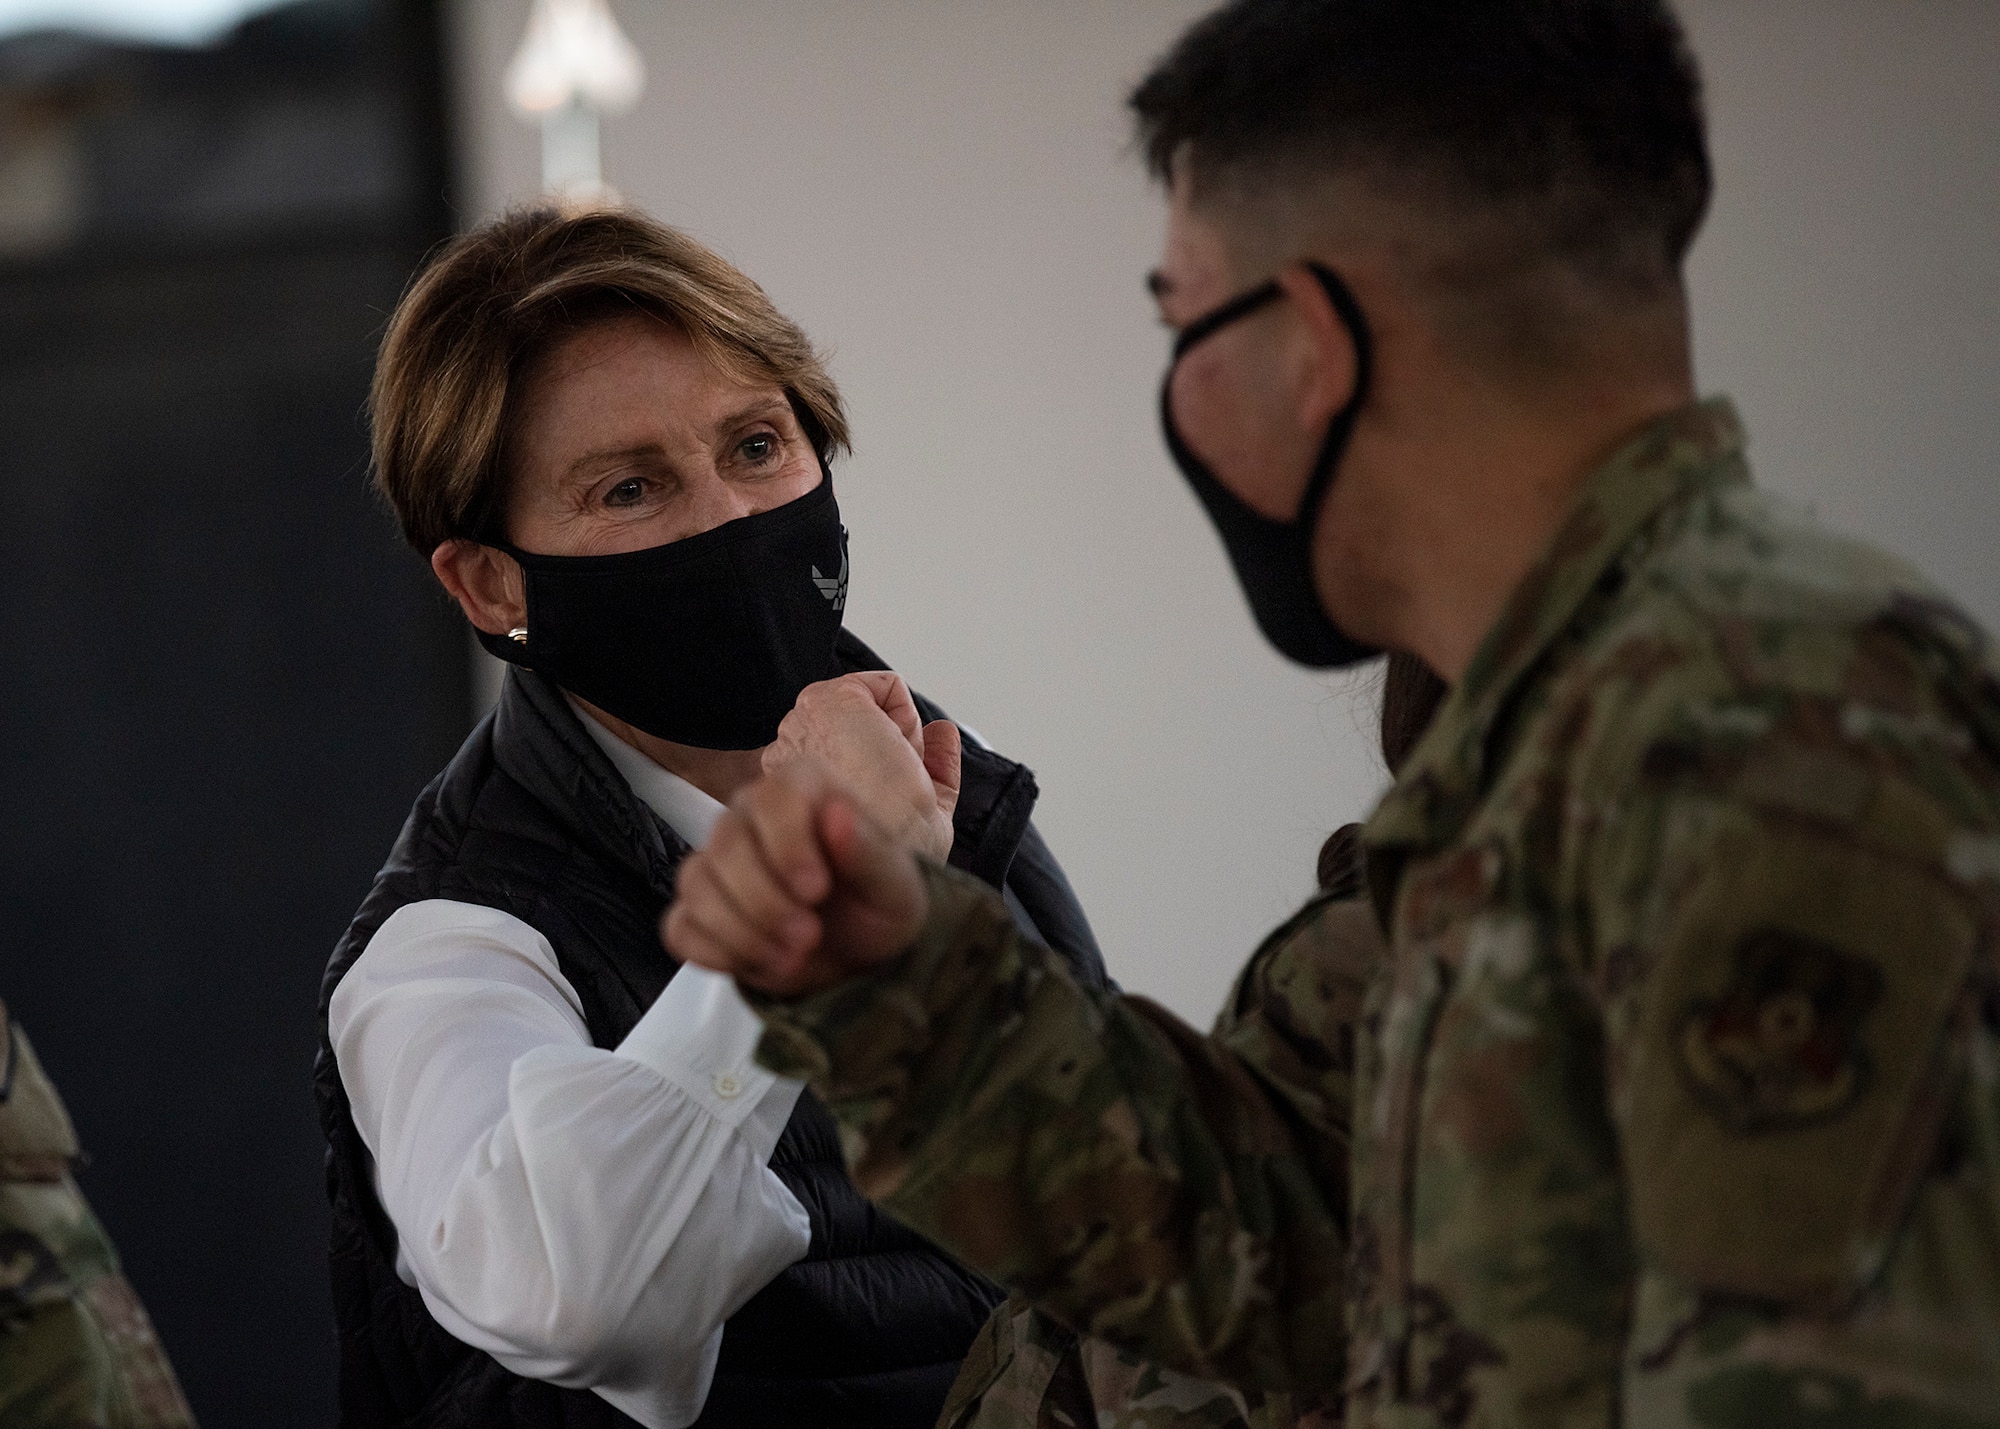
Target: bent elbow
(571, 1341)
(517, 1309)
(564, 1339)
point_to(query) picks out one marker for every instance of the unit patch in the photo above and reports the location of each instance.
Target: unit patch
(27, 1268)
(1781, 1048)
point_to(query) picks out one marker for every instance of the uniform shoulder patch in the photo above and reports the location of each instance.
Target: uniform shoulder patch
(1780, 1047)
(1791, 1056)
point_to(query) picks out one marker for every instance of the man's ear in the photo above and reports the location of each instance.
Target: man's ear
(486, 584)
(1324, 364)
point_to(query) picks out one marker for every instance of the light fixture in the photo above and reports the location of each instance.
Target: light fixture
(573, 65)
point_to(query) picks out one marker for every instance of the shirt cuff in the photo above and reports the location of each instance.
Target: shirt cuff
(701, 1036)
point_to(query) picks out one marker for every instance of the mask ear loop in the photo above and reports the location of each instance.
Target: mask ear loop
(1288, 541)
(1239, 306)
(1342, 426)
(1194, 333)
(1351, 318)
(513, 646)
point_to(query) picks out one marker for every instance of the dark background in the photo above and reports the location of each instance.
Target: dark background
(224, 677)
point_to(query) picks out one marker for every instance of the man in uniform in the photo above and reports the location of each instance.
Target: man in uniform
(1677, 1098)
(77, 1350)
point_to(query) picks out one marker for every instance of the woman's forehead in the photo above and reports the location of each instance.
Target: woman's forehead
(639, 360)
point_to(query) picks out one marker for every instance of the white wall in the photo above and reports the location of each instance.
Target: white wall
(941, 194)
(1847, 289)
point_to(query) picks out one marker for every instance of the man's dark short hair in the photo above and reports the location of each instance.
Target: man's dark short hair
(1576, 122)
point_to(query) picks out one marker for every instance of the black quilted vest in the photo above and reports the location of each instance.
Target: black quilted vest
(530, 817)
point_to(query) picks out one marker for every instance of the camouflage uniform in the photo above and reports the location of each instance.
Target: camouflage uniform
(76, 1348)
(1027, 1372)
(1678, 1100)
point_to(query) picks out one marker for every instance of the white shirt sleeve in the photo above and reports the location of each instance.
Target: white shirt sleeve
(586, 1217)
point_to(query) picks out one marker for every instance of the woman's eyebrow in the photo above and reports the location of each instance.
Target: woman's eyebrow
(751, 410)
(600, 457)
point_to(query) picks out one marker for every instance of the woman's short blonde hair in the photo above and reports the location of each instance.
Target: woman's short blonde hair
(495, 299)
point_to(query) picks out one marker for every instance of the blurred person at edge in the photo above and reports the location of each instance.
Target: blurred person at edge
(1677, 1100)
(77, 1349)
(563, 1192)
(1029, 1371)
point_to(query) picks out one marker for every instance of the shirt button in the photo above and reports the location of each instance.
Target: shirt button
(726, 1085)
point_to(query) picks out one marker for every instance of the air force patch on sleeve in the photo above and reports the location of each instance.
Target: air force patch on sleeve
(1786, 1075)
(1781, 1047)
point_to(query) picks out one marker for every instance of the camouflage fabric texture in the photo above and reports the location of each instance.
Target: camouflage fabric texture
(77, 1350)
(1677, 1099)
(1029, 1372)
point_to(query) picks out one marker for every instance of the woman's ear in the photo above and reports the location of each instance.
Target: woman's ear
(486, 584)
(1325, 366)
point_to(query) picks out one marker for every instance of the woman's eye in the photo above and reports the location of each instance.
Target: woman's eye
(760, 448)
(629, 492)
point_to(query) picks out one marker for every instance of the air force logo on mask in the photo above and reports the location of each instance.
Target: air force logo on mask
(834, 588)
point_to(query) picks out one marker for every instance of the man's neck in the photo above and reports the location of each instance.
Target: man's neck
(718, 773)
(1502, 511)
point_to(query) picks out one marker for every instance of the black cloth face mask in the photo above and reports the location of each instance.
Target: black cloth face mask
(705, 641)
(1273, 559)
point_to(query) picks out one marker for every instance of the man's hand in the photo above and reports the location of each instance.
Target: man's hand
(863, 731)
(796, 890)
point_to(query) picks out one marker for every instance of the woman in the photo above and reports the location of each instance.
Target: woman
(556, 1171)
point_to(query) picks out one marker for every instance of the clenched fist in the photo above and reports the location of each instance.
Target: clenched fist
(864, 732)
(796, 889)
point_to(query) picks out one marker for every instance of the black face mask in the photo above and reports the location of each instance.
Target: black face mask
(706, 641)
(1273, 559)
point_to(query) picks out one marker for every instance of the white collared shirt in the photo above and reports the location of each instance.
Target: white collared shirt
(589, 1218)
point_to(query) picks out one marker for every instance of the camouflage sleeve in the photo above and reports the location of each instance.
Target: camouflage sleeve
(1800, 1007)
(1181, 1197)
(77, 1350)
(1025, 1371)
